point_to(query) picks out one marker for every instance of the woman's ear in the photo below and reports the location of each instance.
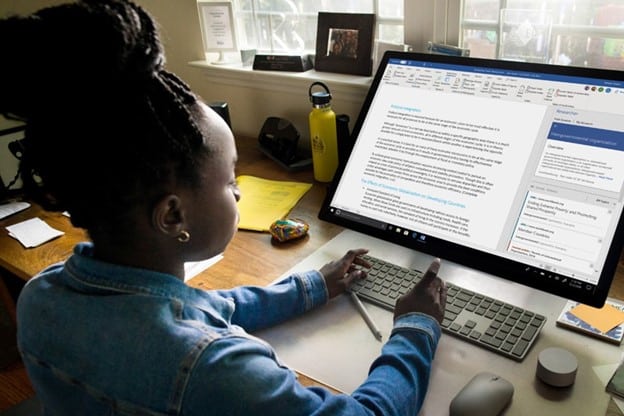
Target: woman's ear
(168, 215)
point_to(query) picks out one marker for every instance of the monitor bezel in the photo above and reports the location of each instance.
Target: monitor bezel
(469, 257)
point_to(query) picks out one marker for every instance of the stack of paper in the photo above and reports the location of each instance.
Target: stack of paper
(606, 323)
(33, 232)
(264, 201)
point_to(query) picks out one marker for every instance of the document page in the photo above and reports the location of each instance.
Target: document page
(447, 164)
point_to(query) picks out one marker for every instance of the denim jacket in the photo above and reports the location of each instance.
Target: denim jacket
(102, 339)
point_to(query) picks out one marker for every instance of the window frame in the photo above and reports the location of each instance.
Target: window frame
(241, 15)
(557, 29)
(431, 20)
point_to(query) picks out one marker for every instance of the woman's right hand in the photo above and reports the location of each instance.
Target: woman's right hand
(428, 296)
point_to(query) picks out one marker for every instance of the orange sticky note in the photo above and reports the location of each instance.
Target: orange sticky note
(603, 319)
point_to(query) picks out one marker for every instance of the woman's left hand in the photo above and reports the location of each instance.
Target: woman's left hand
(340, 273)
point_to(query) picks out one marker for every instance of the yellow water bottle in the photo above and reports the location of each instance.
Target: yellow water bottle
(323, 139)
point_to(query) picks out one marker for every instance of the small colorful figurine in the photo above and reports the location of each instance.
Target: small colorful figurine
(288, 229)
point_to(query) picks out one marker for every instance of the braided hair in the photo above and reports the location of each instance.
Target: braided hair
(107, 127)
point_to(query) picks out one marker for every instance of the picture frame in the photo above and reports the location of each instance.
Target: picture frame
(344, 43)
(217, 27)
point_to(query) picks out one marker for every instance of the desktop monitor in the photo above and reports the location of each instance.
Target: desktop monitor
(514, 169)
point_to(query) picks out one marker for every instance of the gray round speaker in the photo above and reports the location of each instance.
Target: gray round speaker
(557, 367)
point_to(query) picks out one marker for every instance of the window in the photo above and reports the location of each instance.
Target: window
(290, 25)
(565, 32)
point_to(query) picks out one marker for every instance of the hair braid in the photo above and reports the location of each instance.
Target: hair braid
(107, 125)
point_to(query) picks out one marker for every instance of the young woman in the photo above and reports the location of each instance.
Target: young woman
(147, 169)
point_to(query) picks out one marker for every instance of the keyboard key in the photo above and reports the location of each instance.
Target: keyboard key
(520, 348)
(491, 341)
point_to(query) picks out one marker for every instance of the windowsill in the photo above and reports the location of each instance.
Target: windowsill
(346, 86)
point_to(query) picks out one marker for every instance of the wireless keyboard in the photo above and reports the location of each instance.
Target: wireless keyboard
(482, 320)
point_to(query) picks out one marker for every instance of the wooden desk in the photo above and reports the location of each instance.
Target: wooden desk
(251, 258)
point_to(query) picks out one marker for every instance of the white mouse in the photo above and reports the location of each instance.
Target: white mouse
(486, 394)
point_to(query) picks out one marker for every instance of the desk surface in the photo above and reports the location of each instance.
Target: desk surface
(251, 257)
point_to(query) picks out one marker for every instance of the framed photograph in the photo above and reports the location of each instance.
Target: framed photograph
(344, 43)
(217, 25)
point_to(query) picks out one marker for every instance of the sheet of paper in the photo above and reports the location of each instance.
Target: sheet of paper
(12, 207)
(193, 268)
(33, 232)
(264, 201)
(604, 318)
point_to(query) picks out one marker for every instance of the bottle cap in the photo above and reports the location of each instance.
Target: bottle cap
(319, 98)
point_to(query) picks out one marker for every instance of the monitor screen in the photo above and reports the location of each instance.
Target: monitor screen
(511, 168)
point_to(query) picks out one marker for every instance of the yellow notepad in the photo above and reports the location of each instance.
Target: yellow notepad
(264, 201)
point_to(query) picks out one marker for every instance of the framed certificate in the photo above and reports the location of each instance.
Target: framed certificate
(217, 25)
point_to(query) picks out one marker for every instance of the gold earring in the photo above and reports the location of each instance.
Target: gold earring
(184, 236)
